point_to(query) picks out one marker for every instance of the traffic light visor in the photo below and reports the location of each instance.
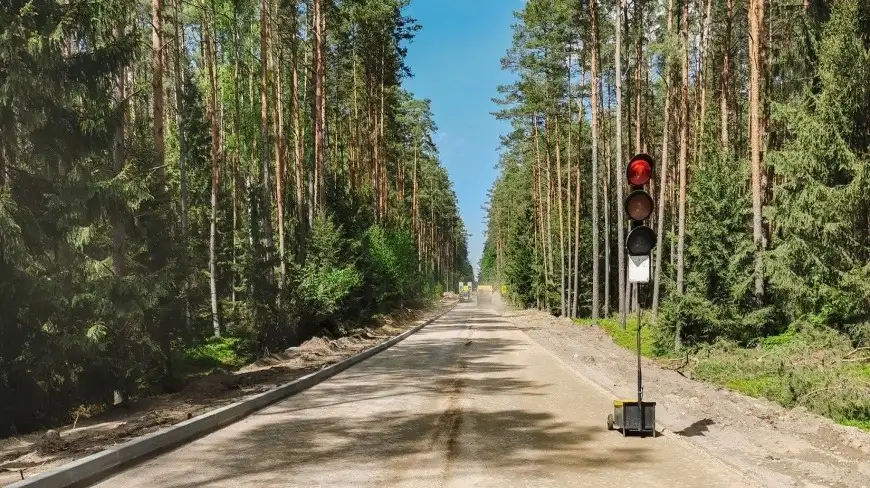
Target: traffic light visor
(640, 241)
(639, 170)
(639, 205)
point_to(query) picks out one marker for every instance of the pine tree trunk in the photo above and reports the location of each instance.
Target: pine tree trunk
(608, 190)
(237, 120)
(663, 173)
(561, 209)
(756, 67)
(319, 106)
(702, 82)
(540, 206)
(384, 164)
(638, 91)
(571, 290)
(280, 154)
(182, 141)
(549, 216)
(157, 84)
(726, 78)
(264, 129)
(577, 197)
(119, 156)
(215, 172)
(593, 80)
(415, 207)
(182, 154)
(298, 142)
(354, 129)
(684, 142)
(620, 237)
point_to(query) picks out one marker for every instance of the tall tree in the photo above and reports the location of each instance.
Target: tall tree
(684, 151)
(620, 237)
(756, 131)
(318, 23)
(157, 56)
(663, 173)
(211, 72)
(594, 94)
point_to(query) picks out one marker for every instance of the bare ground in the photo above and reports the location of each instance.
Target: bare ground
(774, 445)
(25, 456)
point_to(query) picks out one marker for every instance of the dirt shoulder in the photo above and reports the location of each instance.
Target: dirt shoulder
(26, 456)
(774, 445)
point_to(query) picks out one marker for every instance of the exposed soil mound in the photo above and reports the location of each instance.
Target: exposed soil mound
(315, 345)
(50, 443)
(212, 384)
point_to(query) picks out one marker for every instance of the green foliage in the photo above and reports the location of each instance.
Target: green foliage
(821, 246)
(390, 262)
(626, 338)
(102, 289)
(223, 352)
(796, 368)
(704, 321)
(330, 278)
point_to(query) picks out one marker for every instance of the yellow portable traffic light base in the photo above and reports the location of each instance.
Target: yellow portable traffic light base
(633, 416)
(630, 415)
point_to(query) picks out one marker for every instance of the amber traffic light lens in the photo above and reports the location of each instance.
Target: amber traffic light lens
(639, 205)
(639, 172)
(640, 241)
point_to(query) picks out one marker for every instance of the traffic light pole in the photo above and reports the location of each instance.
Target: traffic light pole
(639, 369)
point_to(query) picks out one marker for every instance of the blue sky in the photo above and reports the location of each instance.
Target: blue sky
(456, 62)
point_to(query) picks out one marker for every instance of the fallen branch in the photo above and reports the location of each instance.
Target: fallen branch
(820, 390)
(684, 361)
(856, 350)
(855, 360)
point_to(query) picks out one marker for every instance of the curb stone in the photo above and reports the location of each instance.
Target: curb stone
(97, 466)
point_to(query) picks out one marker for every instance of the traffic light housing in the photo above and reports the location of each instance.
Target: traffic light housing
(639, 206)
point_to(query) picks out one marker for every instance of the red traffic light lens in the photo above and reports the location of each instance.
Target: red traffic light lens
(639, 171)
(638, 205)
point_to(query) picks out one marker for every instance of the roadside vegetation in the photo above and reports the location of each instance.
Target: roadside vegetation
(187, 186)
(756, 117)
(814, 368)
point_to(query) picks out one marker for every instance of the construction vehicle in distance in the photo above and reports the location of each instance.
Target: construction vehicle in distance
(464, 292)
(484, 295)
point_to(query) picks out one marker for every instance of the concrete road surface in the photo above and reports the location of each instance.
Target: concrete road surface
(469, 401)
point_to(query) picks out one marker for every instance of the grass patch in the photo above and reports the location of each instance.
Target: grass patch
(861, 424)
(625, 338)
(225, 352)
(798, 368)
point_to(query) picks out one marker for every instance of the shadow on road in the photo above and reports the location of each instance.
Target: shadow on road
(700, 427)
(440, 363)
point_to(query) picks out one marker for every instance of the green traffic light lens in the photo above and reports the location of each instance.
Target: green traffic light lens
(640, 241)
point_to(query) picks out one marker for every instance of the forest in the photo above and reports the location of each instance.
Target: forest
(178, 173)
(755, 112)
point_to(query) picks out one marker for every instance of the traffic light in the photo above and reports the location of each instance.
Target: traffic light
(639, 206)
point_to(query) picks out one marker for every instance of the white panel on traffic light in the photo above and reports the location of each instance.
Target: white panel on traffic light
(638, 269)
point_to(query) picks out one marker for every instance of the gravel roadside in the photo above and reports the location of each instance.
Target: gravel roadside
(774, 445)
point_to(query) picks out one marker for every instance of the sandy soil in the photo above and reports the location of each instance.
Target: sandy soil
(774, 445)
(25, 456)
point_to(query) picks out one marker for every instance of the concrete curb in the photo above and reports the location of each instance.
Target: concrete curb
(91, 468)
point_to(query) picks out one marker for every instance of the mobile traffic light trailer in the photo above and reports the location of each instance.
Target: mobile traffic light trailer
(631, 415)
